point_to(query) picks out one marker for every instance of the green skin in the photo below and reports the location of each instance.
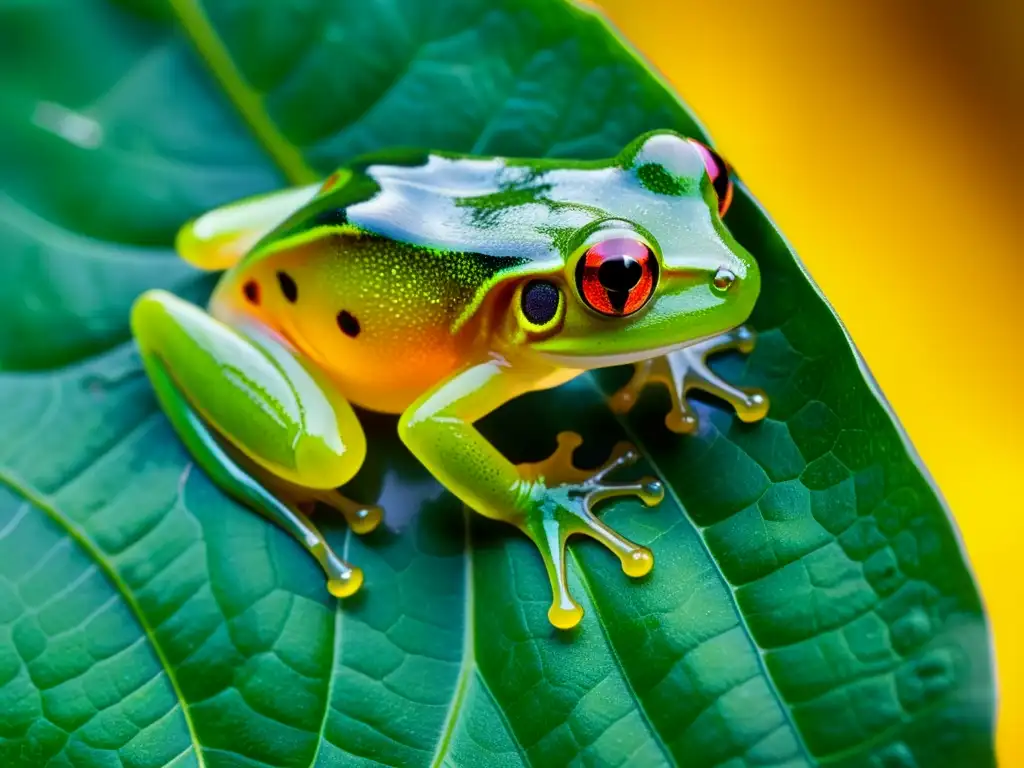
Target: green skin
(399, 285)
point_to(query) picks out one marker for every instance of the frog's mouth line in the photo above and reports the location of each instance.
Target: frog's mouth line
(588, 362)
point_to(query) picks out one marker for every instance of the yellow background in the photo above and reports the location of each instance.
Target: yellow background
(886, 139)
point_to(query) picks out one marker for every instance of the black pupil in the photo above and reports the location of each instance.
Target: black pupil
(620, 274)
(540, 302)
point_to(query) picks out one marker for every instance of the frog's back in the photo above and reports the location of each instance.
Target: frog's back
(507, 212)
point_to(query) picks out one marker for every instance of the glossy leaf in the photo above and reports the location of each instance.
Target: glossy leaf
(810, 604)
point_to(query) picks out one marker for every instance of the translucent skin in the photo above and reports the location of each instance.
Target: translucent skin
(400, 285)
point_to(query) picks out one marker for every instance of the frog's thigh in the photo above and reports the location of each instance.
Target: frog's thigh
(218, 239)
(284, 416)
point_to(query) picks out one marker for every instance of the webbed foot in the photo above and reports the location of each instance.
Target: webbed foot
(557, 502)
(686, 369)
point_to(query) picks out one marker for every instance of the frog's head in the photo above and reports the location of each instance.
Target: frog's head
(655, 269)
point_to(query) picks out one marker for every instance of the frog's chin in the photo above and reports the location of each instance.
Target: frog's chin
(587, 362)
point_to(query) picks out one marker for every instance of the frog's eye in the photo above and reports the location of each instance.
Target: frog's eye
(541, 307)
(718, 172)
(616, 277)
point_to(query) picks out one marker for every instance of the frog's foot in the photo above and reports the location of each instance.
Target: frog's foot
(557, 503)
(343, 578)
(361, 518)
(686, 369)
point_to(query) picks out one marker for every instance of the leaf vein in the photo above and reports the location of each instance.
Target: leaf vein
(115, 579)
(762, 664)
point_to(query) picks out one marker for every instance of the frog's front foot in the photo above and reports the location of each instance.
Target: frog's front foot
(686, 369)
(556, 502)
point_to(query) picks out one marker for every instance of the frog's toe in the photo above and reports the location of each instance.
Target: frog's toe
(669, 371)
(364, 518)
(753, 405)
(750, 404)
(557, 468)
(636, 560)
(361, 518)
(565, 509)
(628, 395)
(345, 584)
(648, 489)
(681, 420)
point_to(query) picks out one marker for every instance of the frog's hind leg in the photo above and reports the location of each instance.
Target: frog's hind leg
(686, 369)
(343, 579)
(217, 240)
(228, 393)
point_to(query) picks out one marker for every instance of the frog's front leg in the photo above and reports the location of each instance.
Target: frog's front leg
(686, 369)
(231, 395)
(549, 500)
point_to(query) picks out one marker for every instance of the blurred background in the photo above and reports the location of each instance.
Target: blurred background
(885, 139)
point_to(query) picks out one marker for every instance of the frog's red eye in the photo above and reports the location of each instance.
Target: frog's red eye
(617, 277)
(718, 172)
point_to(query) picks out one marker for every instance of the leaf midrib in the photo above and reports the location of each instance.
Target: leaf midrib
(98, 556)
(249, 103)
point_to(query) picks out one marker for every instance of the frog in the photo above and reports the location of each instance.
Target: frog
(439, 286)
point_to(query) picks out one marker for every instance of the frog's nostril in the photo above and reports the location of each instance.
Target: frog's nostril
(724, 279)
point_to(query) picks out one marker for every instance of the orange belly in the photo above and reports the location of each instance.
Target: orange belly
(392, 373)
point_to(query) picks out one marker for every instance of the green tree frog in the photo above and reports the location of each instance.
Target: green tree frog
(440, 286)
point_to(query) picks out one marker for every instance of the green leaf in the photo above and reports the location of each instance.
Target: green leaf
(810, 604)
